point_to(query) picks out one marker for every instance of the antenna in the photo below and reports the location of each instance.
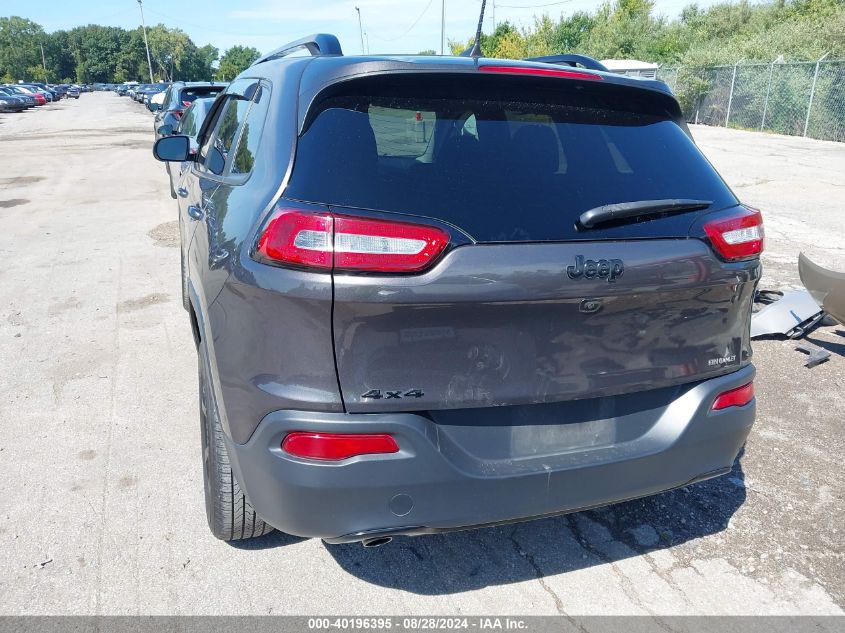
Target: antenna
(475, 53)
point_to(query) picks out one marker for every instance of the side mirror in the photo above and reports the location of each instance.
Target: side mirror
(166, 129)
(153, 107)
(172, 149)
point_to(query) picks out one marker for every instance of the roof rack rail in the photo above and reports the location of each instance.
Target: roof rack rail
(318, 45)
(571, 59)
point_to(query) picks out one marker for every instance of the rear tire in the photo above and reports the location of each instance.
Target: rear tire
(230, 515)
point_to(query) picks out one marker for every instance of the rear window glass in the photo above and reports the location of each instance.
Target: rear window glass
(401, 132)
(502, 171)
(188, 95)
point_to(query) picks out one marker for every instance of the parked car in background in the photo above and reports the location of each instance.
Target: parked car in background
(151, 90)
(432, 293)
(39, 98)
(46, 89)
(156, 100)
(29, 98)
(179, 96)
(28, 101)
(189, 125)
(48, 96)
(73, 92)
(134, 91)
(8, 103)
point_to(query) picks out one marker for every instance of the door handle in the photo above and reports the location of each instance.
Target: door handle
(182, 192)
(195, 212)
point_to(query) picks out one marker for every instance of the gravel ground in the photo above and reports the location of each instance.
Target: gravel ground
(101, 496)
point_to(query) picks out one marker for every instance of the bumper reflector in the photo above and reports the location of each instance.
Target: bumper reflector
(738, 397)
(337, 446)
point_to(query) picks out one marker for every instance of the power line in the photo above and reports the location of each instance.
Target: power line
(410, 28)
(531, 6)
(179, 22)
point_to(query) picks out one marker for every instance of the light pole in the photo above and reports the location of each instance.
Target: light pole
(44, 63)
(146, 44)
(360, 28)
(443, 27)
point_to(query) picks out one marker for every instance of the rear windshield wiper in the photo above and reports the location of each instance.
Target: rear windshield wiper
(627, 210)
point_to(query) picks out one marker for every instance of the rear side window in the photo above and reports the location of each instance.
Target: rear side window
(244, 157)
(500, 170)
(215, 152)
(187, 125)
(231, 142)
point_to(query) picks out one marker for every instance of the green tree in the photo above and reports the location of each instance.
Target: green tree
(95, 50)
(20, 49)
(235, 60)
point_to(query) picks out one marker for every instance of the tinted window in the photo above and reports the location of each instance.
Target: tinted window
(502, 171)
(188, 95)
(216, 150)
(187, 125)
(248, 144)
(401, 132)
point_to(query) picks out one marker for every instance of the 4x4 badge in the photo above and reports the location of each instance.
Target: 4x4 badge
(388, 394)
(610, 269)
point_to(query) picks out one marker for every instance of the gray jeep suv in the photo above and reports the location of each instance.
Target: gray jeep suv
(434, 293)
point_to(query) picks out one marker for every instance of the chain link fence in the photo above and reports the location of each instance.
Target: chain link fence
(796, 98)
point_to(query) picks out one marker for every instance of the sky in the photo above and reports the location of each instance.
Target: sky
(390, 26)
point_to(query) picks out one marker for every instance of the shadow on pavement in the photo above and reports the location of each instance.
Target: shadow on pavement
(464, 561)
(270, 541)
(831, 346)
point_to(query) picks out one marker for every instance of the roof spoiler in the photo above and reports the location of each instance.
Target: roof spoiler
(571, 59)
(318, 45)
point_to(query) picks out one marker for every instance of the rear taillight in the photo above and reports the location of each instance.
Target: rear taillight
(738, 397)
(336, 446)
(543, 72)
(382, 246)
(301, 239)
(737, 236)
(349, 243)
(178, 113)
(186, 103)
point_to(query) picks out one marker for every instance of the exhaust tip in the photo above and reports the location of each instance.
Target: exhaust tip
(376, 541)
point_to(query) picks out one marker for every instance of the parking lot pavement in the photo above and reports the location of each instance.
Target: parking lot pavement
(101, 505)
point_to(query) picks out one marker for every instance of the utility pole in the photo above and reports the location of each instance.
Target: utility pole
(43, 63)
(443, 27)
(360, 29)
(146, 43)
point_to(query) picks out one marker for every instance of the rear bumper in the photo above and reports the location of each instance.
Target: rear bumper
(439, 481)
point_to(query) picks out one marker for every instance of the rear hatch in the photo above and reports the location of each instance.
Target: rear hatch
(525, 304)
